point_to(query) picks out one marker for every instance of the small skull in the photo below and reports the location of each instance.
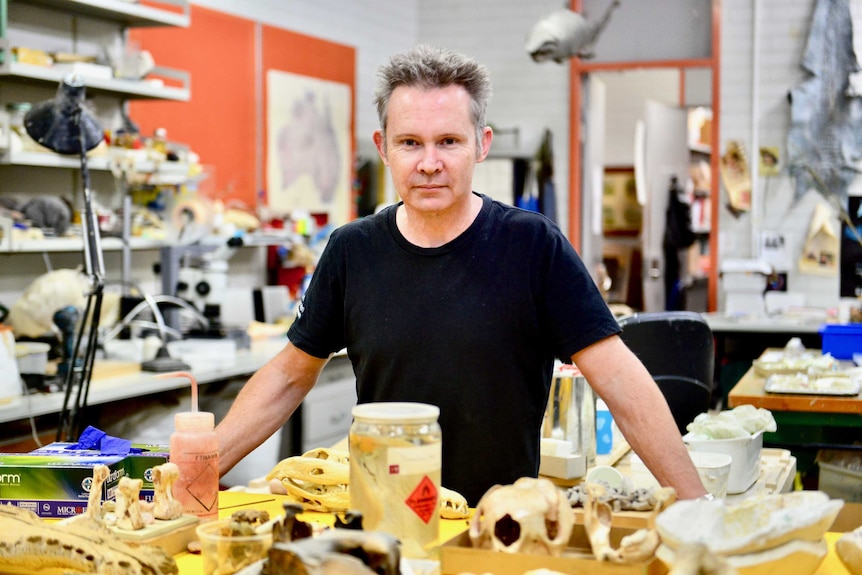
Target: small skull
(529, 516)
(453, 505)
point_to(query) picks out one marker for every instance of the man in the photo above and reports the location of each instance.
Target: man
(453, 299)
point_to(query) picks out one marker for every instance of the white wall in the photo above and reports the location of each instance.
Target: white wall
(527, 96)
(783, 32)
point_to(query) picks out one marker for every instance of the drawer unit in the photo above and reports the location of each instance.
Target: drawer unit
(326, 413)
(323, 419)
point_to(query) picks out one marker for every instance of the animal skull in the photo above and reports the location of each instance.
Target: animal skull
(453, 505)
(529, 516)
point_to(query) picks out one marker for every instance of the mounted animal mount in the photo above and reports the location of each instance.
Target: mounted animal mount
(564, 34)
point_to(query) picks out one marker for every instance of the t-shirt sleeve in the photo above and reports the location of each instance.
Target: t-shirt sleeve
(318, 328)
(576, 313)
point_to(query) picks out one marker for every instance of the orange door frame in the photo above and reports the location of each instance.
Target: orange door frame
(577, 70)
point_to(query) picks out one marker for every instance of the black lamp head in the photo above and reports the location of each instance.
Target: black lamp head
(64, 124)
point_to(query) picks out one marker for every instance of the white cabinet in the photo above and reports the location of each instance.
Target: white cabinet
(326, 414)
(323, 419)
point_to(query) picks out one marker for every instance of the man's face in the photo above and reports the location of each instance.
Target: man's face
(431, 146)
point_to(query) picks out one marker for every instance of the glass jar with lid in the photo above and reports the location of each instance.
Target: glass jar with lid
(395, 468)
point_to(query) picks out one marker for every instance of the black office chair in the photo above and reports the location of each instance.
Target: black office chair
(678, 350)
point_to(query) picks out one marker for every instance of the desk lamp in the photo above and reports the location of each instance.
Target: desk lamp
(66, 126)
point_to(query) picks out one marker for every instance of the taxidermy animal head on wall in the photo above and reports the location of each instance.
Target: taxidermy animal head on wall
(564, 33)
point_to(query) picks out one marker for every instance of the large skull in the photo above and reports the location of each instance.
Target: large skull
(529, 516)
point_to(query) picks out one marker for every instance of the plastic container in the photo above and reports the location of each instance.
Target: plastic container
(604, 428)
(224, 554)
(571, 412)
(396, 459)
(713, 469)
(32, 356)
(840, 474)
(194, 448)
(744, 452)
(841, 341)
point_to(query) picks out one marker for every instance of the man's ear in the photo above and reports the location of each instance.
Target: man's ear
(485, 144)
(380, 144)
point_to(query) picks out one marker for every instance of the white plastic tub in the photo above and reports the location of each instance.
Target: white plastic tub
(713, 469)
(32, 357)
(840, 474)
(745, 457)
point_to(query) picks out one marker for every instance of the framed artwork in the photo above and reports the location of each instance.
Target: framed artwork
(308, 149)
(621, 212)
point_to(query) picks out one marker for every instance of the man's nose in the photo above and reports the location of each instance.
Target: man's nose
(430, 161)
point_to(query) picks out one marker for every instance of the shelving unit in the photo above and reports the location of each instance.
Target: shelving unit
(125, 13)
(142, 89)
(85, 27)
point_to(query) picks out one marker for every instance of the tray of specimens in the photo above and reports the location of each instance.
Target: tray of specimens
(800, 383)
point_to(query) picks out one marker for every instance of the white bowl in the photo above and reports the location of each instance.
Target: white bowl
(745, 454)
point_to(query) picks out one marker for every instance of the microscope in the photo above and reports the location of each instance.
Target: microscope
(198, 274)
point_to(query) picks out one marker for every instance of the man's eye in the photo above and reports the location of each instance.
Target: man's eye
(448, 141)
(409, 142)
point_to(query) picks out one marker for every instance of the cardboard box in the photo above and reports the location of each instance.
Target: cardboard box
(140, 465)
(55, 485)
(458, 556)
(137, 465)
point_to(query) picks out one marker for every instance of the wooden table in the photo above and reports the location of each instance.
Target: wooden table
(740, 339)
(806, 423)
(749, 390)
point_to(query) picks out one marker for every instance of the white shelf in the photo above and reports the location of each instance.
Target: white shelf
(142, 383)
(130, 88)
(76, 244)
(130, 14)
(163, 172)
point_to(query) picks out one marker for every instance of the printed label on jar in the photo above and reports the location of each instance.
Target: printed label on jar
(423, 500)
(414, 460)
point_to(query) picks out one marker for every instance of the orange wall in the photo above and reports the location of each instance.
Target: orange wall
(219, 122)
(308, 56)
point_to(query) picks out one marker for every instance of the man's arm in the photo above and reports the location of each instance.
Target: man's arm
(265, 402)
(641, 412)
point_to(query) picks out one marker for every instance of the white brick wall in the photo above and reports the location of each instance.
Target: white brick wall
(528, 96)
(784, 28)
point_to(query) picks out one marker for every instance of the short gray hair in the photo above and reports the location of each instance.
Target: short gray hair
(428, 67)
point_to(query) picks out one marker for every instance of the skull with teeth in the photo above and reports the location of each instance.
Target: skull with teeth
(529, 516)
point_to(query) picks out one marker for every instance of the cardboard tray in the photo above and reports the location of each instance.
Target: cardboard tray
(172, 536)
(458, 556)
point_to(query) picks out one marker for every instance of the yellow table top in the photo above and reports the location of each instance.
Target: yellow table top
(230, 501)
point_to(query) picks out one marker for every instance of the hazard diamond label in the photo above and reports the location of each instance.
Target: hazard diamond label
(423, 500)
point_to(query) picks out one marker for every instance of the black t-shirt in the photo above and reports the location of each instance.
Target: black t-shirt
(472, 327)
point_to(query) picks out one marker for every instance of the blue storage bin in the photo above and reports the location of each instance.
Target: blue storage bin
(841, 340)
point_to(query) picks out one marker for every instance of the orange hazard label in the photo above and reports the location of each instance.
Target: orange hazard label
(423, 500)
